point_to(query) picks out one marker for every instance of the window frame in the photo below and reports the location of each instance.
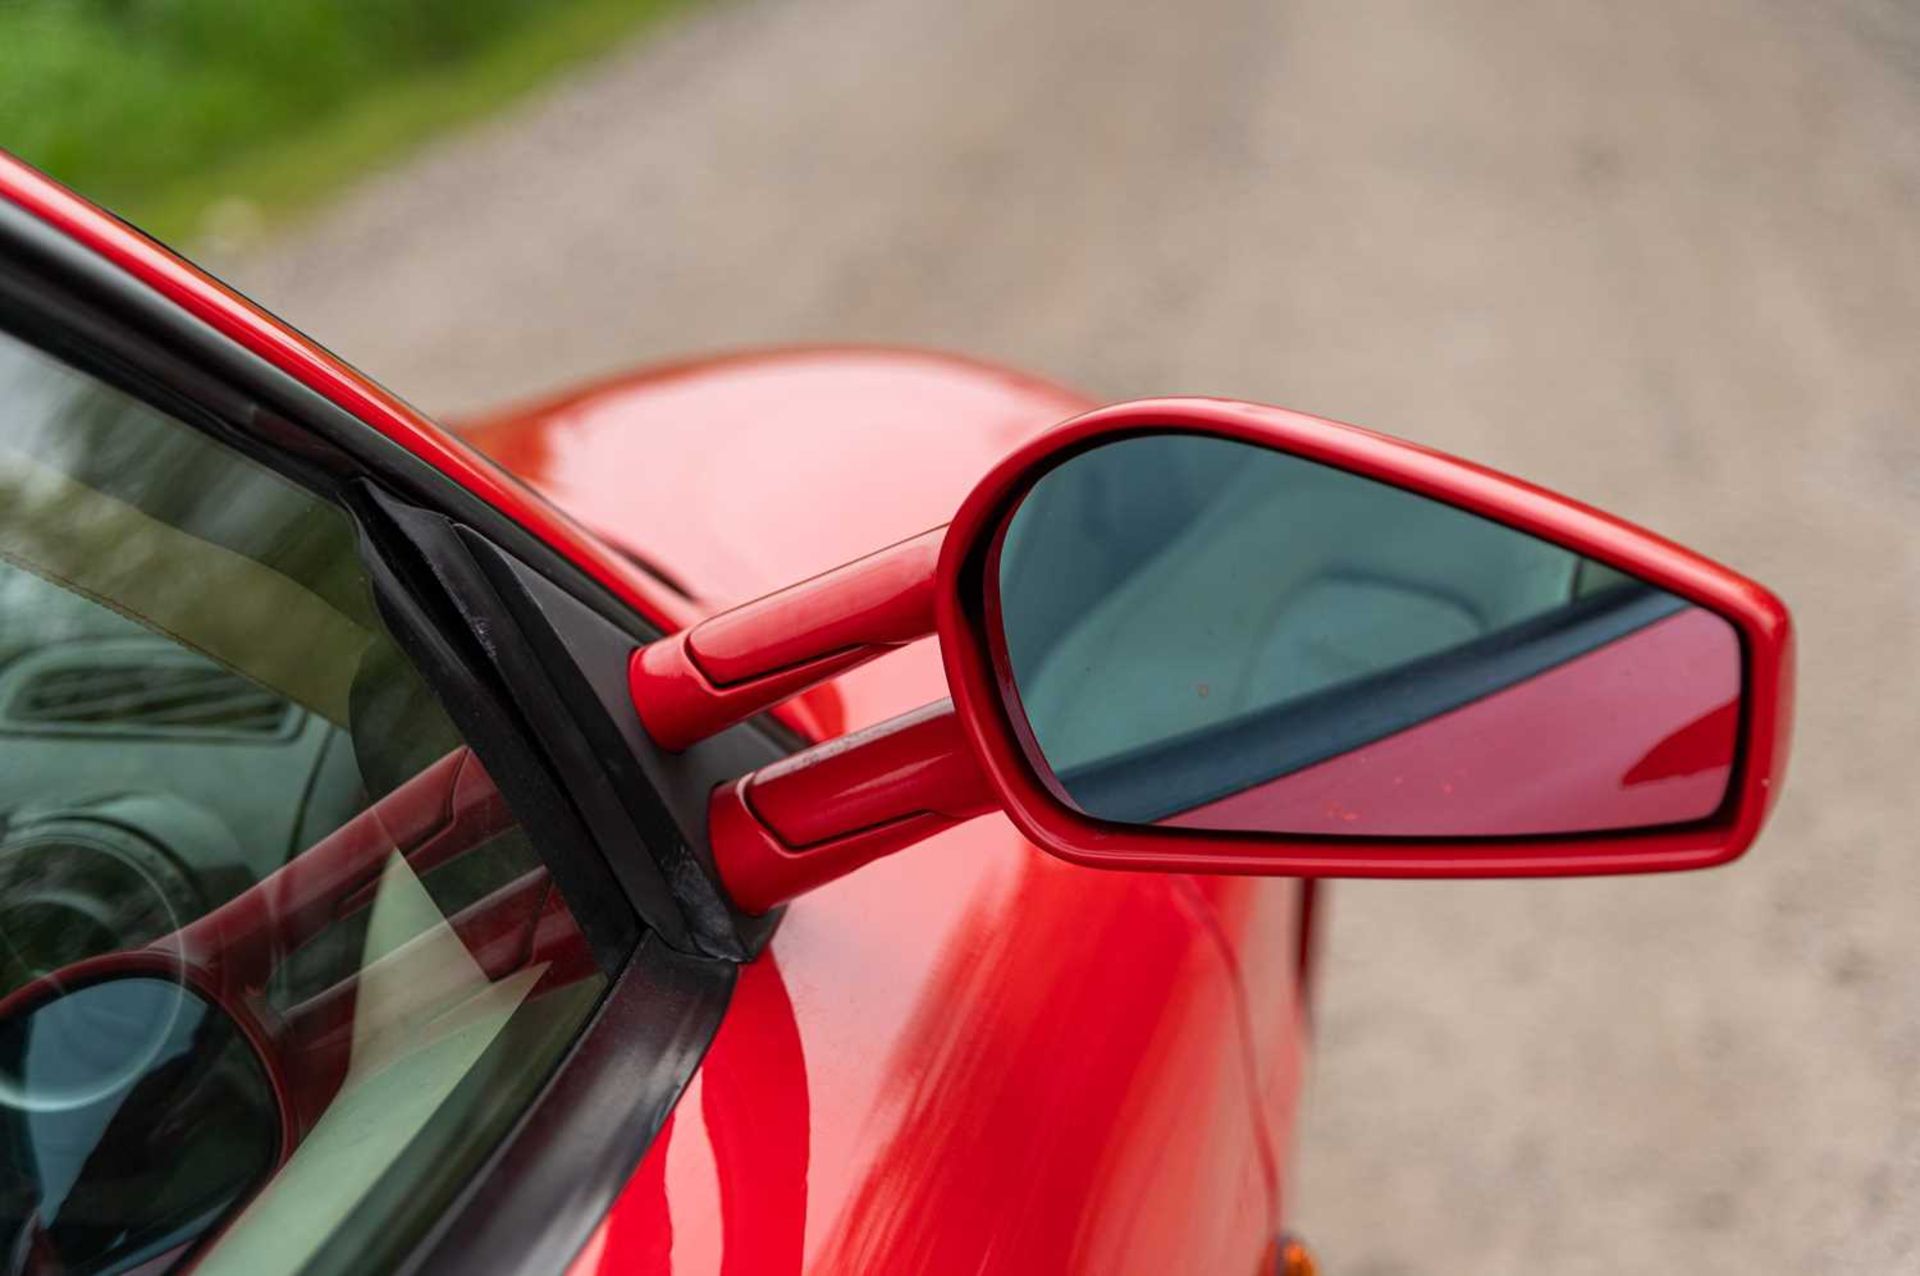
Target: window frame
(551, 1177)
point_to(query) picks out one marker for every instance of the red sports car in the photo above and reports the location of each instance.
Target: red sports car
(551, 847)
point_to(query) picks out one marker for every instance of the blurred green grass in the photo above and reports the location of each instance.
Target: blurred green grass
(171, 112)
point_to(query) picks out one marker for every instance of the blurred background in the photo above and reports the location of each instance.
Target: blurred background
(1664, 257)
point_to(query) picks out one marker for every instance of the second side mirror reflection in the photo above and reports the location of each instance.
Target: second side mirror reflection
(131, 1099)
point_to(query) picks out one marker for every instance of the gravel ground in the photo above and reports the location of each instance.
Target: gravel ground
(1662, 256)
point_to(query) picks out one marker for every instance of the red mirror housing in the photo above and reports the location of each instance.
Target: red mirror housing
(825, 811)
(704, 679)
(978, 678)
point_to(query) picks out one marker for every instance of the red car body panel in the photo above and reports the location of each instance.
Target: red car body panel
(1036, 1072)
(972, 1056)
(747, 472)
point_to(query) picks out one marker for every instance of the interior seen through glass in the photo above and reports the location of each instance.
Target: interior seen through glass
(211, 747)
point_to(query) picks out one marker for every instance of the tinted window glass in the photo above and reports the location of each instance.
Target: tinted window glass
(210, 745)
(131, 1114)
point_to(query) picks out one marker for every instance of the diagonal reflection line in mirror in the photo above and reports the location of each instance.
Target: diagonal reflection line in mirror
(1550, 753)
(1166, 777)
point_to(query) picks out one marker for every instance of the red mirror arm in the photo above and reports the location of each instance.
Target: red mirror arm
(722, 671)
(818, 815)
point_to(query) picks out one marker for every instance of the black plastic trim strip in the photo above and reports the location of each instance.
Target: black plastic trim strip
(587, 659)
(539, 710)
(488, 724)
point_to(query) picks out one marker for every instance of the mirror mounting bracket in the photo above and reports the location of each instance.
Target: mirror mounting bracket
(698, 682)
(807, 819)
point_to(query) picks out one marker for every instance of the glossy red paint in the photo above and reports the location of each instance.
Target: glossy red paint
(732, 472)
(982, 688)
(914, 764)
(1069, 1095)
(803, 821)
(1565, 752)
(700, 681)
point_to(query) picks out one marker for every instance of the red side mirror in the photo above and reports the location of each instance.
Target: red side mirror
(1205, 636)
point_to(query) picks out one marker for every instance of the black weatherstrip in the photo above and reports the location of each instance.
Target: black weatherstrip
(557, 1174)
(542, 710)
(604, 915)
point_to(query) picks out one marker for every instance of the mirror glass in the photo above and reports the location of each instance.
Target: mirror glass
(1208, 634)
(133, 1116)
